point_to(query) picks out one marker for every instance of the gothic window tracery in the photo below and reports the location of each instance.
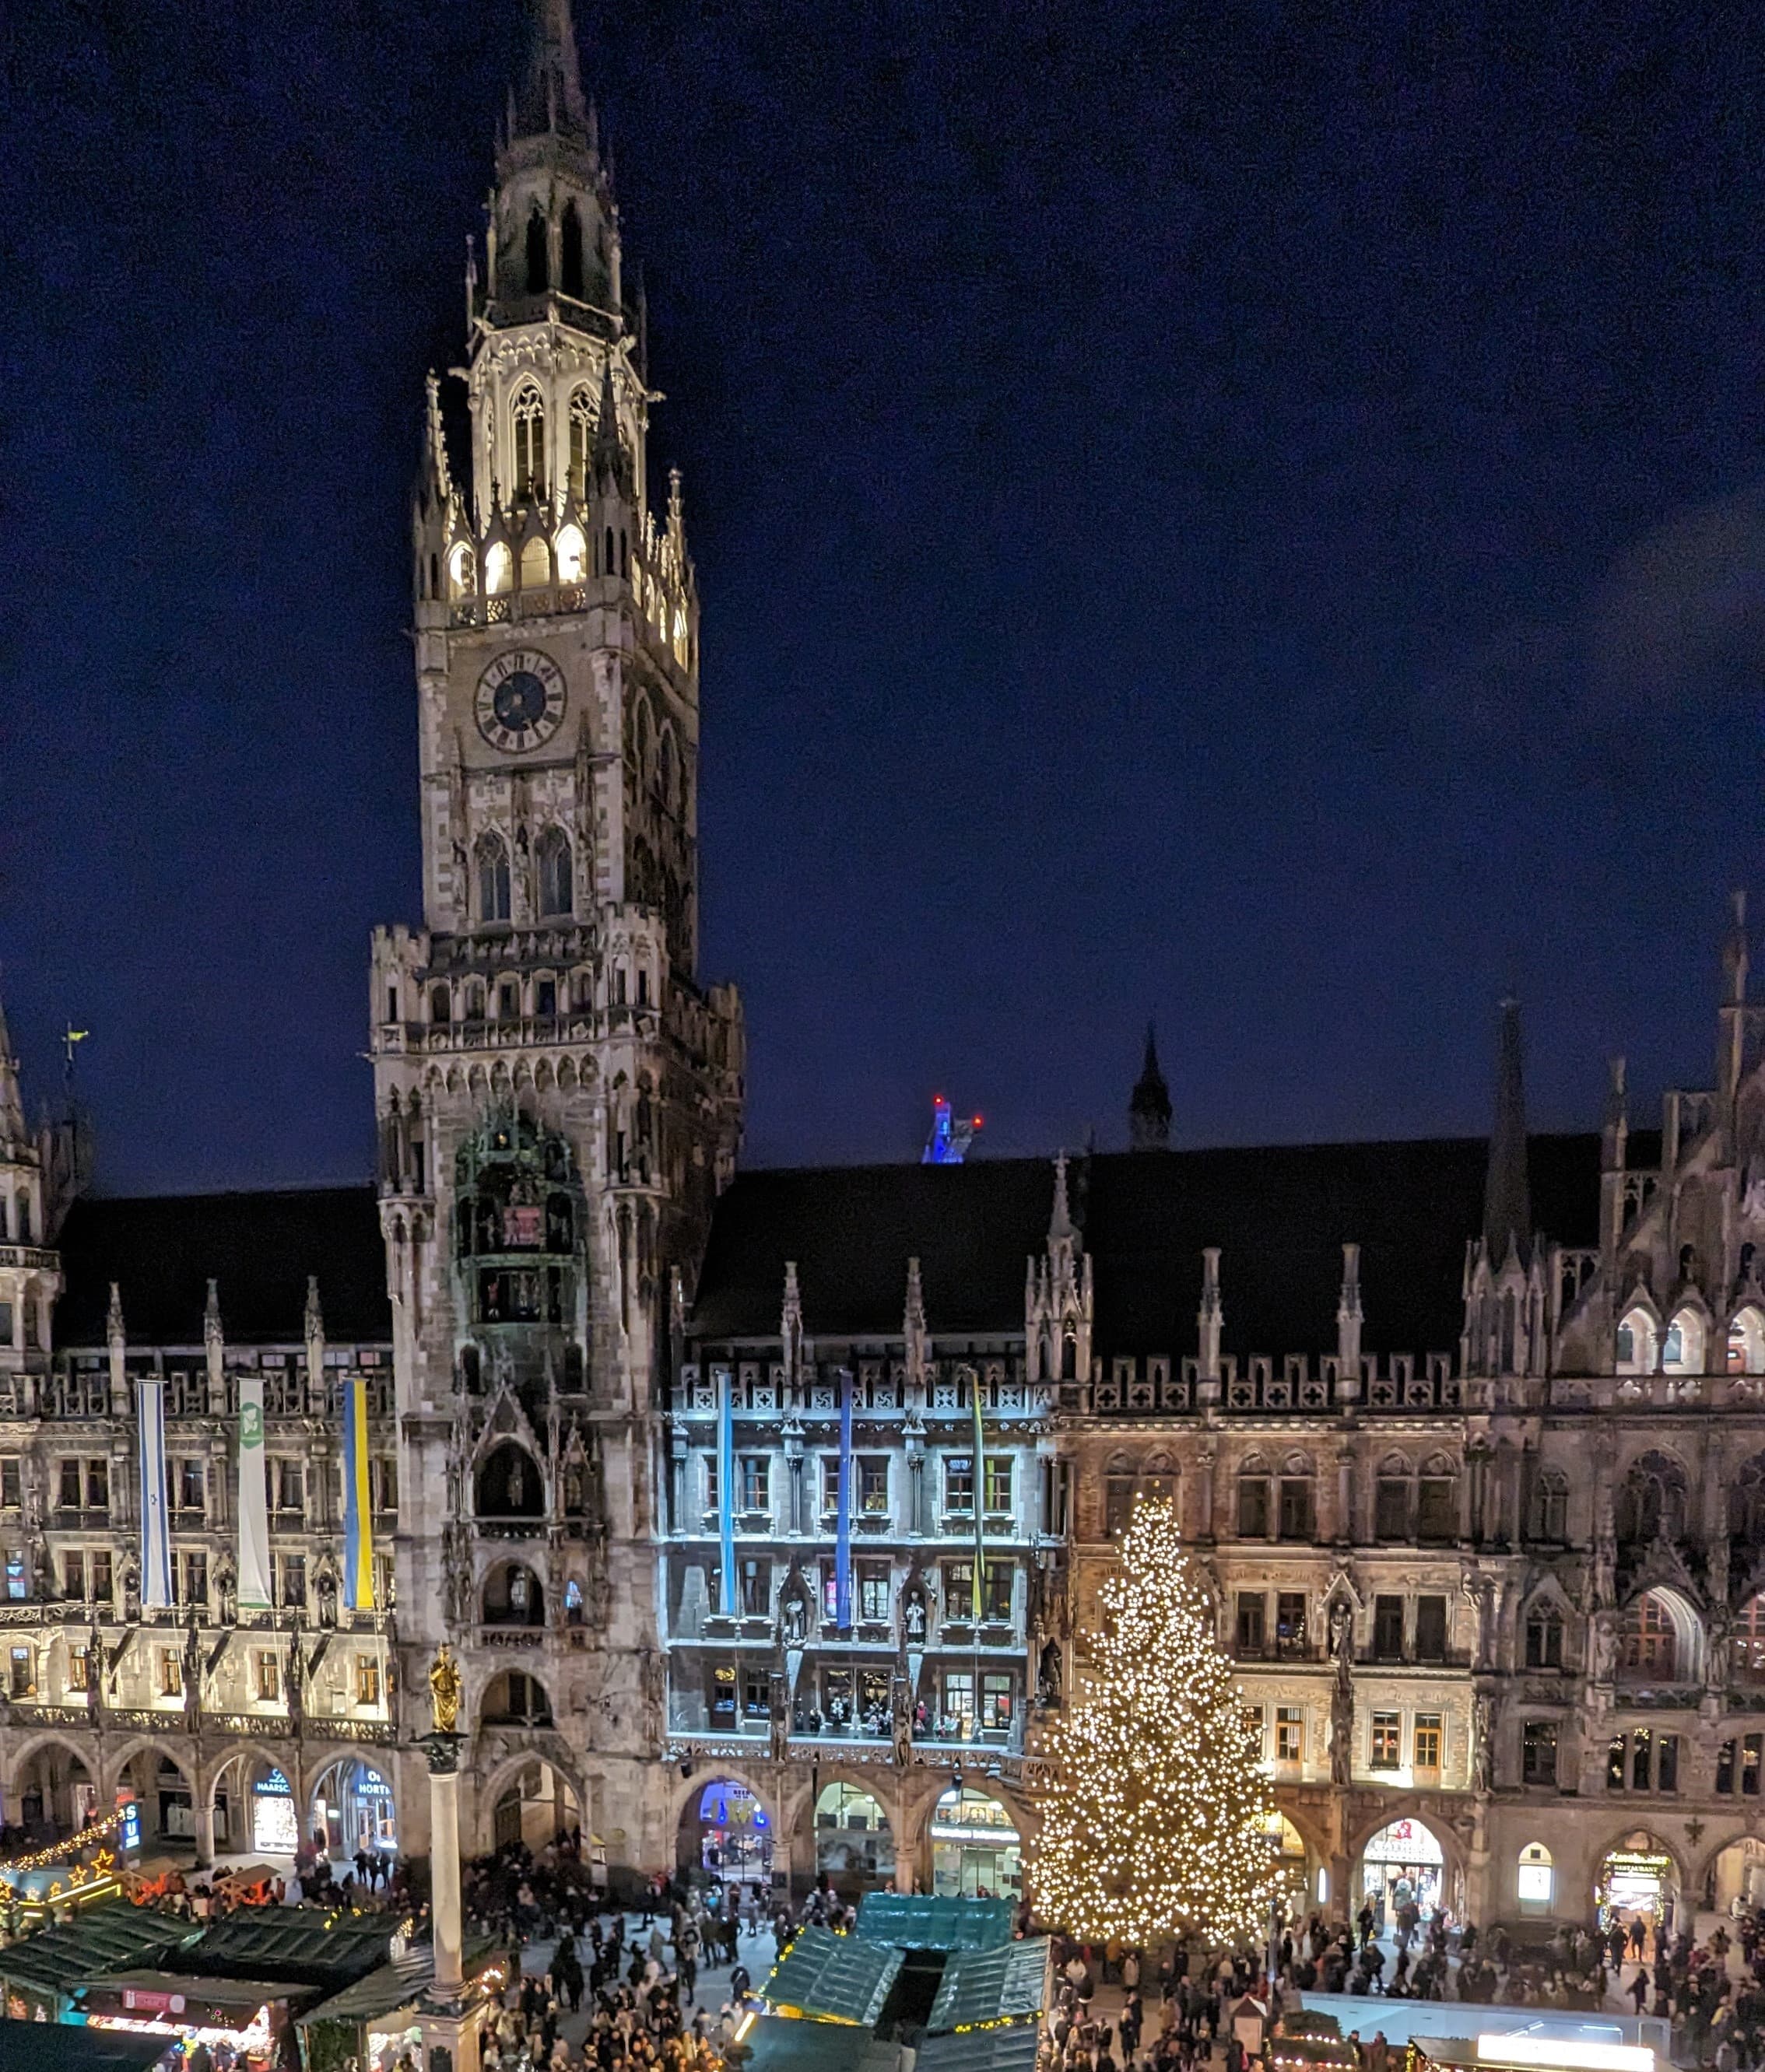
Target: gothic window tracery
(493, 886)
(582, 441)
(1550, 1507)
(529, 418)
(1652, 1503)
(551, 856)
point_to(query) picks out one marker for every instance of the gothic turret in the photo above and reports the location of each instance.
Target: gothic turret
(1149, 1107)
(1504, 1281)
(1507, 1193)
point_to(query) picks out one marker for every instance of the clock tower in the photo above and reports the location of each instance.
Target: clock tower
(559, 1098)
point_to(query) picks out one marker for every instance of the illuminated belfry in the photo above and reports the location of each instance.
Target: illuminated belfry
(559, 1099)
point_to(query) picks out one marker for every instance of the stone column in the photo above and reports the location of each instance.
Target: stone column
(444, 1862)
(205, 1825)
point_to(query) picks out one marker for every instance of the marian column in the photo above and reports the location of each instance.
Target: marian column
(449, 2025)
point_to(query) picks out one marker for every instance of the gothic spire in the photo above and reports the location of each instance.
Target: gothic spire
(550, 94)
(1148, 1106)
(1507, 1195)
(12, 1126)
(609, 454)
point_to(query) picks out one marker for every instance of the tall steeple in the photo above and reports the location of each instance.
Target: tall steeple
(549, 97)
(12, 1124)
(1507, 1195)
(1148, 1106)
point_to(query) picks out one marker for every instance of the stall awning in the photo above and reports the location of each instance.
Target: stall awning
(911, 1921)
(115, 1936)
(304, 1945)
(149, 1993)
(53, 2046)
(816, 2046)
(1010, 2049)
(397, 1984)
(825, 1977)
(983, 1986)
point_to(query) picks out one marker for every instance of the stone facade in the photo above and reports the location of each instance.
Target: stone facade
(1485, 1525)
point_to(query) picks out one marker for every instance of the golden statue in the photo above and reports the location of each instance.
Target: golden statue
(444, 1690)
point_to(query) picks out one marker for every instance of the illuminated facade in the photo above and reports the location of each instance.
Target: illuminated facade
(1484, 1527)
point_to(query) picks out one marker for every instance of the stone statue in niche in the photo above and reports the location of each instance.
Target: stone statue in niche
(913, 1617)
(226, 1589)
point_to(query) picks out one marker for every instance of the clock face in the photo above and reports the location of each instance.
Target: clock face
(519, 701)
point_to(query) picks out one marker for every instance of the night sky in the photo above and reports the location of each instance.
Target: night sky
(1253, 516)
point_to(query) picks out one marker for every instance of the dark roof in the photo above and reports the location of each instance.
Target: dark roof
(162, 1250)
(825, 1977)
(919, 1921)
(1279, 1214)
(36, 2047)
(983, 1986)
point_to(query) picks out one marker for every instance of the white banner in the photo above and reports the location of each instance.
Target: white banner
(254, 1594)
(155, 1526)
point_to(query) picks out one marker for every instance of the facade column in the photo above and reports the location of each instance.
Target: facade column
(205, 1825)
(444, 1862)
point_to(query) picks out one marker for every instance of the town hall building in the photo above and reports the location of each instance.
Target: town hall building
(766, 1511)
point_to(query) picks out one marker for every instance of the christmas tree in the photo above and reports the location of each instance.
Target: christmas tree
(1159, 1824)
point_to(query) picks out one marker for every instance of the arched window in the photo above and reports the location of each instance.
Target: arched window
(664, 770)
(1544, 1636)
(440, 1005)
(492, 880)
(569, 257)
(1746, 1503)
(1684, 1350)
(1436, 1502)
(582, 441)
(461, 572)
(1636, 1343)
(1117, 1495)
(1550, 1507)
(1534, 1879)
(434, 576)
(1254, 1508)
(530, 443)
(22, 1230)
(535, 563)
(609, 568)
(640, 743)
(1391, 1499)
(1649, 1647)
(509, 1485)
(499, 571)
(572, 555)
(1296, 1515)
(1748, 1659)
(538, 269)
(624, 555)
(557, 892)
(1652, 1503)
(513, 1596)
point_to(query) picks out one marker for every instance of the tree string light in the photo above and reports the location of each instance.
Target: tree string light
(1158, 1826)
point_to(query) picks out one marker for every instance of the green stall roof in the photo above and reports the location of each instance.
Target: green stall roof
(1006, 1985)
(826, 1977)
(1010, 2049)
(911, 1921)
(115, 1936)
(302, 1945)
(780, 2045)
(398, 1983)
(54, 2046)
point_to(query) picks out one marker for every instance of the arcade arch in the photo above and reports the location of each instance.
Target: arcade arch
(1638, 1879)
(53, 1791)
(351, 1807)
(977, 1847)
(1403, 1863)
(725, 1833)
(854, 1840)
(532, 1802)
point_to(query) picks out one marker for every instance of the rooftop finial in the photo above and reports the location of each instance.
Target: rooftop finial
(1149, 1107)
(1060, 1223)
(1507, 1195)
(550, 95)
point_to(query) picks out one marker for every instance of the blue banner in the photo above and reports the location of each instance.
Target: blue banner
(842, 1541)
(155, 1524)
(725, 1493)
(358, 1529)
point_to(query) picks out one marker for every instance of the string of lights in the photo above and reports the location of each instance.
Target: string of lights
(56, 1851)
(1158, 1825)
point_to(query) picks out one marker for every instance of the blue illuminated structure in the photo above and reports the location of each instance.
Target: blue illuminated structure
(948, 1143)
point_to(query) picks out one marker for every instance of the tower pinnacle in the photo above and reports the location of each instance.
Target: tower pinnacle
(1507, 1195)
(549, 97)
(1148, 1106)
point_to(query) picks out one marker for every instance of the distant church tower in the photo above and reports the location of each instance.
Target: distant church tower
(558, 1099)
(1148, 1106)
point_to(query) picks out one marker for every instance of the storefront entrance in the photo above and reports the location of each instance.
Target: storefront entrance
(353, 1810)
(1638, 1881)
(975, 1849)
(726, 1833)
(854, 1846)
(1402, 1865)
